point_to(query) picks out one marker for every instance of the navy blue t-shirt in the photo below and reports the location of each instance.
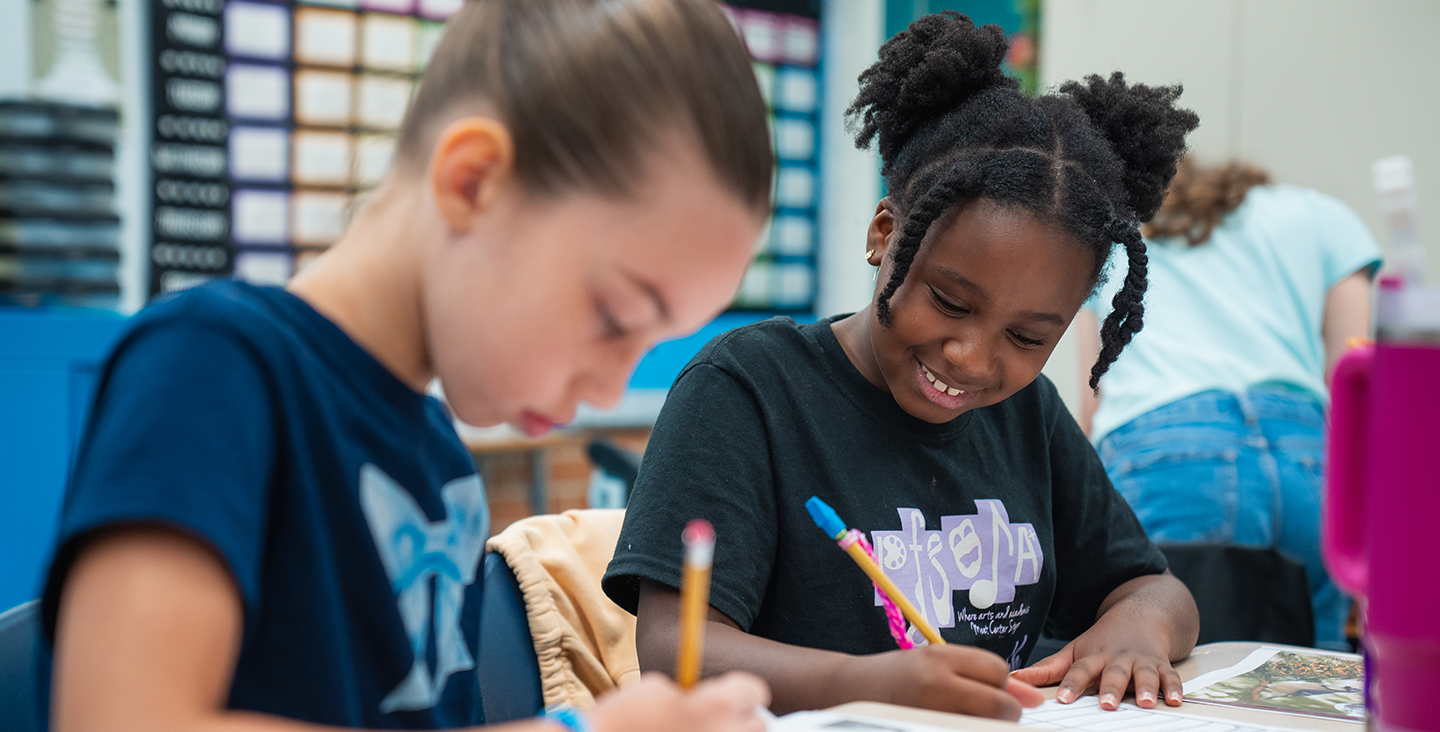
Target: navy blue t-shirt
(345, 507)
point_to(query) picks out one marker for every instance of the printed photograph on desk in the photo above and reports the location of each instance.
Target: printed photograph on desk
(1314, 683)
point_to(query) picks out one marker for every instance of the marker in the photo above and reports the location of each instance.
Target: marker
(699, 538)
(849, 540)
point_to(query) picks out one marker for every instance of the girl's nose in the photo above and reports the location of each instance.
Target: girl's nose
(971, 358)
(604, 382)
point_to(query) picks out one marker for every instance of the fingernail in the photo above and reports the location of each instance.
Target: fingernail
(1065, 696)
(1108, 701)
(1147, 697)
(1175, 697)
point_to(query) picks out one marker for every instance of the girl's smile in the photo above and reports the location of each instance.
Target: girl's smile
(941, 392)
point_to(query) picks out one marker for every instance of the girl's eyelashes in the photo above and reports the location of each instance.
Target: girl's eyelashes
(1027, 342)
(609, 326)
(949, 307)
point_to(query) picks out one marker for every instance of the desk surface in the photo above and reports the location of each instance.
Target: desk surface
(1205, 659)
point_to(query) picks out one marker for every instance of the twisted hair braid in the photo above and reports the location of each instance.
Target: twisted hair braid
(932, 205)
(1127, 314)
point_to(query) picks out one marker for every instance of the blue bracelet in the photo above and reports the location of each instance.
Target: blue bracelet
(572, 719)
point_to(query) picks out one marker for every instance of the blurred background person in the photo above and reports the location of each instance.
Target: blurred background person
(1212, 422)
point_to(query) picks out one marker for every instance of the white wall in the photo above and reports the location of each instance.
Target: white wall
(16, 52)
(1311, 90)
(849, 178)
(132, 164)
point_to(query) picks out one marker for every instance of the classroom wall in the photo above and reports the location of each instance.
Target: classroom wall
(1312, 90)
(852, 31)
(16, 52)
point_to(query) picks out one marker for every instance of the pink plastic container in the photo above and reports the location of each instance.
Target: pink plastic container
(1382, 517)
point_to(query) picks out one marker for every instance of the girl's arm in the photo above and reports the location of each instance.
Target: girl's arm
(1347, 315)
(148, 634)
(949, 678)
(1144, 626)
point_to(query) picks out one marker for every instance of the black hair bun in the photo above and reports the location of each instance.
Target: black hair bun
(932, 67)
(1145, 129)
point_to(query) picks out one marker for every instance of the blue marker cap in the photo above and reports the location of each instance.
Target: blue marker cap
(826, 518)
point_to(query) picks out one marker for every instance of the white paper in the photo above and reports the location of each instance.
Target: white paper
(260, 30)
(388, 43)
(321, 158)
(1085, 715)
(324, 97)
(1251, 662)
(836, 722)
(325, 37)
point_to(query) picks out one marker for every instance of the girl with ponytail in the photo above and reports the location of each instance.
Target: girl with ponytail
(924, 420)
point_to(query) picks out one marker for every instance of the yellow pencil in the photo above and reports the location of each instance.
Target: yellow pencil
(829, 522)
(699, 538)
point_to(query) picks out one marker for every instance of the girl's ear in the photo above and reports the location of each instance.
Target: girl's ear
(882, 231)
(473, 161)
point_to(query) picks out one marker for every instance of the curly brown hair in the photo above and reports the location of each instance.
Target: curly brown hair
(1200, 197)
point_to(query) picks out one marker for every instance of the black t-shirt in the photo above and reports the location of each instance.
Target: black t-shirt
(996, 524)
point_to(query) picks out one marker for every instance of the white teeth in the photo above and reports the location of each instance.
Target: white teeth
(940, 385)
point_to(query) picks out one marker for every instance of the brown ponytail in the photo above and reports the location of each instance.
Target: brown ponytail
(1200, 197)
(585, 87)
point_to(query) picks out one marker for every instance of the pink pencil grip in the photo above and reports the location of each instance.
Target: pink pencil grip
(1346, 552)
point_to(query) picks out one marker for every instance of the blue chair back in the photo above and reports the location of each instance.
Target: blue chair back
(24, 696)
(508, 671)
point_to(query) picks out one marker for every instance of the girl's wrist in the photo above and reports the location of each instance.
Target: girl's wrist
(570, 718)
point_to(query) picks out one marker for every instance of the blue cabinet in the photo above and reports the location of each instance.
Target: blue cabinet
(49, 361)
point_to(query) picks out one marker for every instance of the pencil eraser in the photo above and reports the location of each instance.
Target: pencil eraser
(698, 531)
(699, 538)
(825, 517)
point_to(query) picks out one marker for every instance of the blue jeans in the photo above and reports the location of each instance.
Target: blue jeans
(1233, 468)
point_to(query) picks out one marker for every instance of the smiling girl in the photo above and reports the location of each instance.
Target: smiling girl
(923, 419)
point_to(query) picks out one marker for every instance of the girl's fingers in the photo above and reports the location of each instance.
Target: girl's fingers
(1082, 675)
(1147, 685)
(1047, 671)
(1114, 680)
(1171, 686)
(734, 693)
(980, 699)
(1027, 695)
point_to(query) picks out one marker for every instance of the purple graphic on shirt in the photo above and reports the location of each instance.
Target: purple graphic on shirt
(982, 554)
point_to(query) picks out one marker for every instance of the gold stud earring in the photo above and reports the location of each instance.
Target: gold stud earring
(869, 254)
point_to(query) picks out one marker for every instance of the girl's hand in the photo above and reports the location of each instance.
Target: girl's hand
(1113, 662)
(726, 704)
(1142, 627)
(949, 678)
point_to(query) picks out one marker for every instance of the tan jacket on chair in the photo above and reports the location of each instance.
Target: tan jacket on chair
(585, 643)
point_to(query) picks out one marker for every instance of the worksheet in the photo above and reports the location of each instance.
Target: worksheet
(1309, 682)
(1084, 715)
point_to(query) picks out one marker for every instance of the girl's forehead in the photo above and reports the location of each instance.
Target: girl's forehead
(988, 223)
(1009, 249)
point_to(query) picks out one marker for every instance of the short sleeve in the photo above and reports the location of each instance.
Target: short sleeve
(1099, 544)
(182, 435)
(709, 458)
(1346, 244)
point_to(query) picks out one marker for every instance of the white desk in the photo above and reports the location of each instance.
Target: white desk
(1205, 658)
